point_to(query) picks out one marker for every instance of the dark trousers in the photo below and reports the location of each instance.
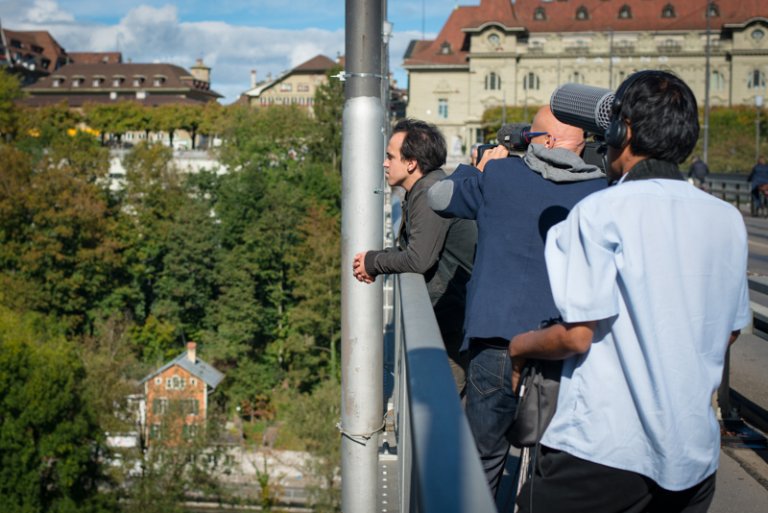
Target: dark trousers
(490, 406)
(563, 483)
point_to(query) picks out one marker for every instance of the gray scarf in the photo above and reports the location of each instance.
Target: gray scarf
(559, 165)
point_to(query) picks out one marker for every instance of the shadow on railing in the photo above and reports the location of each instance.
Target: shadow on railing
(439, 466)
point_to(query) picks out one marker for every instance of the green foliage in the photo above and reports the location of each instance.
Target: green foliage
(56, 248)
(329, 108)
(312, 418)
(732, 139)
(494, 117)
(10, 91)
(49, 440)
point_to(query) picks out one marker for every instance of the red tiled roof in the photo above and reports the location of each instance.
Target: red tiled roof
(175, 77)
(318, 63)
(646, 14)
(96, 57)
(560, 16)
(51, 49)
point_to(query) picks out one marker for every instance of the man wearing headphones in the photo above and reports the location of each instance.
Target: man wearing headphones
(650, 279)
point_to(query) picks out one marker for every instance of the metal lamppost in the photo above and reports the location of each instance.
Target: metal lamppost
(758, 108)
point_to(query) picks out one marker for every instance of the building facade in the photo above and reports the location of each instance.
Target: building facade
(294, 87)
(499, 52)
(106, 82)
(176, 397)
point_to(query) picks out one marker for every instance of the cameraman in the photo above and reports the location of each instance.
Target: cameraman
(650, 277)
(514, 201)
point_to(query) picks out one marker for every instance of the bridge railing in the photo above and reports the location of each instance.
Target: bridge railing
(731, 188)
(439, 466)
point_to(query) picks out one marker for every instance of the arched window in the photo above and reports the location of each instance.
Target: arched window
(582, 13)
(576, 77)
(445, 48)
(714, 10)
(716, 81)
(539, 14)
(756, 79)
(625, 12)
(531, 82)
(668, 11)
(492, 81)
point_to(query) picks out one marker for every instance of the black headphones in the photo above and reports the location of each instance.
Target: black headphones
(616, 133)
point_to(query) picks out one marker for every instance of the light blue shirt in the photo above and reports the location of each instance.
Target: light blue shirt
(663, 267)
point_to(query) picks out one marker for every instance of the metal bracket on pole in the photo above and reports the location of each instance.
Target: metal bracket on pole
(343, 76)
(361, 438)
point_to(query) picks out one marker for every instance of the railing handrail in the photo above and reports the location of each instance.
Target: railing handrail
(441, 464)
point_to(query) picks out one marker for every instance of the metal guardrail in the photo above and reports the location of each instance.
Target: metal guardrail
(731, 188)
(440, 469)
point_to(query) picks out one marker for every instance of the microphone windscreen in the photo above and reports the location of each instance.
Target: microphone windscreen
(586, 107)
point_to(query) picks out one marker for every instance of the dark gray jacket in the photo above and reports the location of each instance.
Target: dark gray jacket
(441, 249)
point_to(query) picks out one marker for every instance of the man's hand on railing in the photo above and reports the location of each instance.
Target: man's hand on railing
(358, 269)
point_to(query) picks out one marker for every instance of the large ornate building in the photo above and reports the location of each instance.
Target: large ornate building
(500, 52)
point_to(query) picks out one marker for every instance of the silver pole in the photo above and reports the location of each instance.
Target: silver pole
(705, 152)
(361, 229)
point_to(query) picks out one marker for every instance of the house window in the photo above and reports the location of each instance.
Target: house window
(717, 81)
(154, 431)
(189, 430)
(158, 380)
(531, 82)
(168, 383)
(137, 81)
(77, 82)
(158, 81)
(445, 48)
(582, 13)
(141, 95)
(625, 12)
(668, 11)
(442, 108)
(159, 406)
(539, 14)
(57, 82)
(113, 95)
(96, 82)
(714, 10)
(116, 82)
(302, 88)
(286, 88)
(756, 79)
(45, 63)
(492, 81)
(190, 407)
(576, 77)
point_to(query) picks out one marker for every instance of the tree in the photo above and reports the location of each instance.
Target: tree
(57, 247)
(10, 91)
(190, 118)
(49, 441)
(329, 108)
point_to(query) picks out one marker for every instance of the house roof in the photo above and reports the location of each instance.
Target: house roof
(33, 46)
(178, 85)
(318, 64)
(451, 46)
(95, 57)
(201, 369)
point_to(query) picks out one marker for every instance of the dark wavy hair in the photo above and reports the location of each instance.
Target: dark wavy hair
(423, 143)
(661, 111)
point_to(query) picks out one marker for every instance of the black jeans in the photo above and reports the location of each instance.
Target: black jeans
(563, 484)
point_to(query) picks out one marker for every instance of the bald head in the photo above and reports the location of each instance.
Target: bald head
(560, 135)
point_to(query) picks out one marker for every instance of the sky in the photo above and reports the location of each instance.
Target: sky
(231, 36)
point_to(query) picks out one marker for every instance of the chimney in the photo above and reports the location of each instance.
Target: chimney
(201, 72)
(192, 352)
(253, 78)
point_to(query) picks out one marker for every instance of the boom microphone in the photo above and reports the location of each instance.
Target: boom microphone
(583, 106)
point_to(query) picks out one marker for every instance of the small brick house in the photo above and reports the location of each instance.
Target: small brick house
(178, 391)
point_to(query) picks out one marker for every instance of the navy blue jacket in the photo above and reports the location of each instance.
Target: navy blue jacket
(509, 291)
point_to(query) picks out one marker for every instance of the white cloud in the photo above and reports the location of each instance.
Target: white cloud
(155, 33)
(47, 11)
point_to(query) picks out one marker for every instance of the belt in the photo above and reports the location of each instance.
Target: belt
(497, 342)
